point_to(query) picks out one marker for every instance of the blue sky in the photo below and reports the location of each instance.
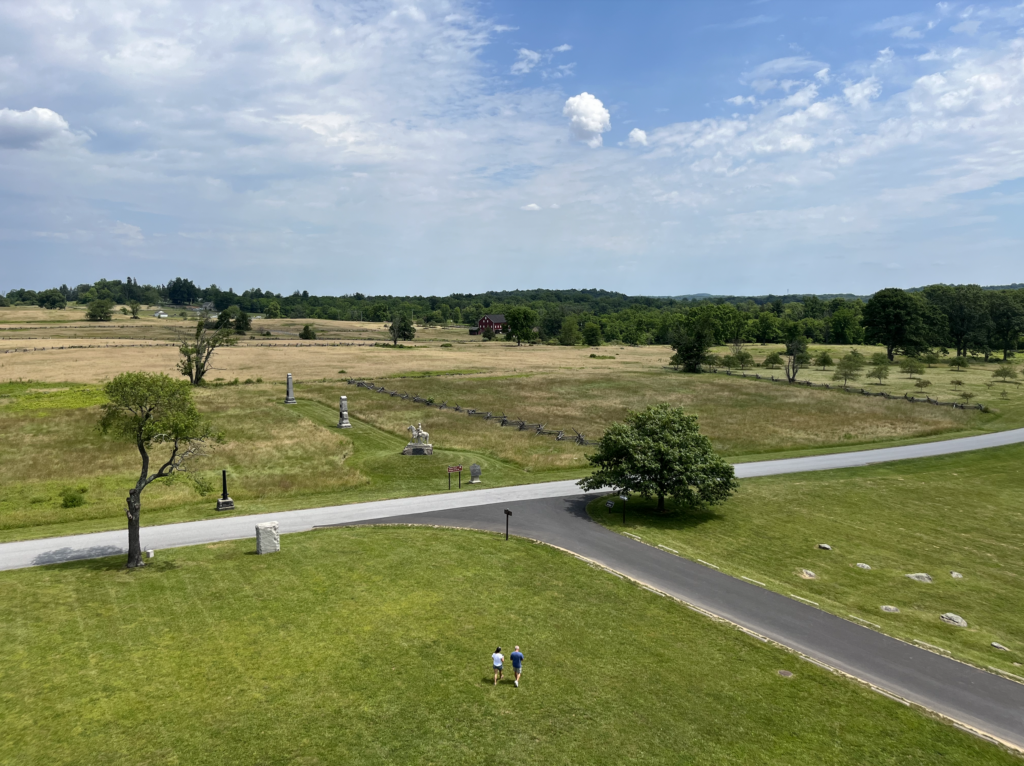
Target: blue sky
(434, 147)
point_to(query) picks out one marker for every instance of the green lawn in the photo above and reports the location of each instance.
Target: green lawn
(372, 645)
(955, 513)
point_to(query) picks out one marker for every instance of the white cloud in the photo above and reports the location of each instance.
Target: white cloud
(782, 66)
(531, 206)
(527, 60)
(967, 27)
(741, 100)
(32, 128)
(588, 118)
(562, 48)
(862, 93)
(823, 76)
(637, 137)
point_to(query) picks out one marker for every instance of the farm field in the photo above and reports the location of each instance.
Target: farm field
(935, 515)
(365, 645)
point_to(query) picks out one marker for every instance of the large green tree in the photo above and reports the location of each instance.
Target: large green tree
(965, 310)
(895, 318)
(659, 452)
(155, 413)
(1006, 312)
(401, 328)
(519, 323)
(692, 339)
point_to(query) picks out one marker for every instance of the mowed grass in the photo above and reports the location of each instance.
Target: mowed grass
(372, 645)
(957, 513)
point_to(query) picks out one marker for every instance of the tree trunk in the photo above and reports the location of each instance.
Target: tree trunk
(134, 543)
(661, 503)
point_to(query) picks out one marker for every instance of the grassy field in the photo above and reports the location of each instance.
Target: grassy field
(955, 513)
(365, 646)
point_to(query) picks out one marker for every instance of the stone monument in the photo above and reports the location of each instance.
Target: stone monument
(420, 444)
(474, 473)
(268, 539)
(289, 397)
(343, 413)
(225, 503)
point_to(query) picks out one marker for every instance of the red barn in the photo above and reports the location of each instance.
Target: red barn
(495, 322)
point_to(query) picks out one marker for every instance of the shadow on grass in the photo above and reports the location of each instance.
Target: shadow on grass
(97, 559)
(674, 517)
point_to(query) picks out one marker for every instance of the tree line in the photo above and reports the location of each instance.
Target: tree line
(966, 319)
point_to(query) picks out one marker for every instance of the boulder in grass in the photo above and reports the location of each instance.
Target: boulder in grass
(956, 575)
(920, 577)
(954, 619)
(824, 547)
(863, 566)
(807, 574)
(999, 646)
(891, 609)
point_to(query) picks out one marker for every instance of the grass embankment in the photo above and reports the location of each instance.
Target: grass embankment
(278, 457)
(366, 645)
(955, 513)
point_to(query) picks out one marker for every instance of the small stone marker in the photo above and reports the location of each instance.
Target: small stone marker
(807, 574)
(956, 575)
(268, 540)
(289, 397)
(474, 472)
(863, 566)
(891, 609)
(343, 413)
(999, 646)
(224, 502)
(824, 547)
(786, 673)
(920, 577)
(954, 619)
(150, 553)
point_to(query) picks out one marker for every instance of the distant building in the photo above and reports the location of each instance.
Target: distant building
(160, 315)
(495, 322)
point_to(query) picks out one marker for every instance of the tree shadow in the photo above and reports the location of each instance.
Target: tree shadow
(100, 558)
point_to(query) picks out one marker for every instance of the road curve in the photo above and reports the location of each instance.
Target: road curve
(555, 513)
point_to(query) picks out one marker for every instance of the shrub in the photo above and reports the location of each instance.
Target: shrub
(98, 311)
(308, 333)
(446, 345)
(73, 497)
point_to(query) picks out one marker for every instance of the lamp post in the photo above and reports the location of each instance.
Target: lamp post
(507, 514)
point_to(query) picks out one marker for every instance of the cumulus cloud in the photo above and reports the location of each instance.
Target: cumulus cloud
(588, 118)
(531, 207)
(863, 92)
(637, 137)
(32, 128)
(562, 48)
(527, 60)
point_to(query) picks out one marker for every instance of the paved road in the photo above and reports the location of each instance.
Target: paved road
(555, 513)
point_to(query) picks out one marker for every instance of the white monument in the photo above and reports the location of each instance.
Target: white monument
(420, 444)
(343, 413)
(268, 539)
(289, 397)
(474, 472)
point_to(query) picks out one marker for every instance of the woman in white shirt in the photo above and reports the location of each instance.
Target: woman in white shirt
(499, 662)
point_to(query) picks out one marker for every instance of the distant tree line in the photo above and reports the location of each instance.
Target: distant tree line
(964, 319)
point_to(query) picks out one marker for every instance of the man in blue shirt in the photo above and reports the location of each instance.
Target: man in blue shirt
(517, 664)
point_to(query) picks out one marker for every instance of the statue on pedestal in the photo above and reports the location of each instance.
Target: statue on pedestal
(420, 444)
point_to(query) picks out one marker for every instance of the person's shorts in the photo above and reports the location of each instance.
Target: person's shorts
(497, 667)
(518, 670)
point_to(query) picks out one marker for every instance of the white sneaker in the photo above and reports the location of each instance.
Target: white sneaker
(517, 684)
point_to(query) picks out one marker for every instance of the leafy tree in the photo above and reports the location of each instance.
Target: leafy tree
(911, 366)
(152, 411)
(741, 357)
(488, 333)
(959, 363)
(660, 452)
(198, 347)
(273, 310)
(965, 309)
(1006, 313)
(823, 359)
(308, 333)
(401, 328)
(181, 291)
(922, 384)
(796, 350)
(848, 369)
(519, 324)
(569, 335)
(878, 358)
(880, 371)
(845, 326)
(592, 334)
(1005, 372)
(930, 358)
(956, 383)
(765, 327)
(133, 307)
(243, 323)
(895, 318)
(98, 311)
(52, 299)
(966, 396)
(773, 360)
(692, 340)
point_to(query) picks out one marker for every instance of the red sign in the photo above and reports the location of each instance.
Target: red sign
(455, 469)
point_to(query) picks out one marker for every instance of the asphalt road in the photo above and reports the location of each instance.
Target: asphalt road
(555, 513)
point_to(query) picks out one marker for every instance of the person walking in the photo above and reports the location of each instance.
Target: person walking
(517, 664)
(499, 662)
